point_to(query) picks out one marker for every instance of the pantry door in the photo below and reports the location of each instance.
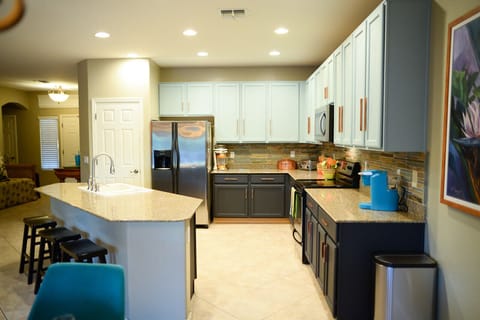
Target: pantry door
(116, 130)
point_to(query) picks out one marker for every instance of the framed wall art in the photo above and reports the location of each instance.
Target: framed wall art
(461, 129)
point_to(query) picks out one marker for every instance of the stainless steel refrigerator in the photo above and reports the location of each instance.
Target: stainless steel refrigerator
(181, 161)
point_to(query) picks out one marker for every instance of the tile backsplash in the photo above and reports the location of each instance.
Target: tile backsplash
(265, 156)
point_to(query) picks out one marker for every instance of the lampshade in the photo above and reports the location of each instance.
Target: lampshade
(58, 95)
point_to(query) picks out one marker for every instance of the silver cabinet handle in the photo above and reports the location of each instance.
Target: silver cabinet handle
(267, 179)
(230, 179)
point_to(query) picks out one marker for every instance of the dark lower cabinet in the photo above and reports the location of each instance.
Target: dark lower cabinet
(255, 195)
(341, 256)
(231, 200)
(267, 200)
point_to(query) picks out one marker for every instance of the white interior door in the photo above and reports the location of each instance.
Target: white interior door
(69, 139)
(116, 130)
(10, 146)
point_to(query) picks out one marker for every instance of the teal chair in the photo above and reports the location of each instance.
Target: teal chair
(83, 291)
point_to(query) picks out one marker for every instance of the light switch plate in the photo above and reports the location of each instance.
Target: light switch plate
(292, 154)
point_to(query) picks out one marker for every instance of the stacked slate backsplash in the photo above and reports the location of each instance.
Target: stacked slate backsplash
(265, 156)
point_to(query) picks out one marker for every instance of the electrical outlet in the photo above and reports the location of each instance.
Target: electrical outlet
(292, 154)
(232, 155)
(85, 159)
(414, 178)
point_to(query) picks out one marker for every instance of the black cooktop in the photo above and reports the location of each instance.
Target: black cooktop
(346, 177)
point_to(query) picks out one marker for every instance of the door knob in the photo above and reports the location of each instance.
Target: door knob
(134, 171)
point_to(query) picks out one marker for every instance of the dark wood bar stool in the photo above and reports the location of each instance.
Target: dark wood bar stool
(83, 250)
(30, 232)
(52, 238)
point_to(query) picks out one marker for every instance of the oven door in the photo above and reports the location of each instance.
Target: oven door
(296, 208)
(324, 123)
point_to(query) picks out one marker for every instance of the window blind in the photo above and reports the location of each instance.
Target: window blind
(49, 142)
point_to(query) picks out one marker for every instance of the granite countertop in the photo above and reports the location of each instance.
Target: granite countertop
(295, 174)
(144, 206)
(342, 206)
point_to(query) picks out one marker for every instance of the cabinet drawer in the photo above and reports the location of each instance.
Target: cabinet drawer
(230, 178)
(267, 178)
(327, 223)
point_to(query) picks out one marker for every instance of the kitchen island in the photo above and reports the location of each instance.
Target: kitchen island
(150, 233)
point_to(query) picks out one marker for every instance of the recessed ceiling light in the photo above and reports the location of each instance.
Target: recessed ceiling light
(202, 54)
(190, 33)
(274, 53)
(102, 35)
(281, 30)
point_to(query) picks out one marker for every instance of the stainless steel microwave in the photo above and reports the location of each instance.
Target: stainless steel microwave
(324, 123)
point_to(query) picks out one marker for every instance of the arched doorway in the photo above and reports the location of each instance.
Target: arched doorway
(9, 131)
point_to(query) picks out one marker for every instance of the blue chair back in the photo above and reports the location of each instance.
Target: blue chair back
(84, 290)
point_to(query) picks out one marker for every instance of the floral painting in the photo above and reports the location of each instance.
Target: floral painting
(461, 149)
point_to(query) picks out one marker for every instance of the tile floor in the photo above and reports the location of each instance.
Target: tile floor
(245, 271)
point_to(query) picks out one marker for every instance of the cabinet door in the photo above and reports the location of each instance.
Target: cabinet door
(339, 105)
(254, 107)
(230, 200)
(309, 114)
(348, 104)
(330, 272)
(199, 99)
(283, 115)
(171, 99)
(359, 60)
(308, 237)
(267, 200)
(330, 83)
(373, 103)
(321, 236)
(321, 82)
(227, 112)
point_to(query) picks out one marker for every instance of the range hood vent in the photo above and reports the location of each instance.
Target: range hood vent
(232, 13)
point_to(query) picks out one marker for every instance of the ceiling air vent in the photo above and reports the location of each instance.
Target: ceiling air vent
(232, 13)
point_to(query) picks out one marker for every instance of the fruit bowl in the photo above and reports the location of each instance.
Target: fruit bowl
(326, 173)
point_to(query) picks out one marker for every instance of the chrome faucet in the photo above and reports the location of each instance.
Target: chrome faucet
(92, 184)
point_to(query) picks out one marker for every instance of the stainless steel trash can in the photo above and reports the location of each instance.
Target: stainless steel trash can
(405, 287)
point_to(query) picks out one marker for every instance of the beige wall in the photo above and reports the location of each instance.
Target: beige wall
(453, 237)
(236, 74)
(117, 78)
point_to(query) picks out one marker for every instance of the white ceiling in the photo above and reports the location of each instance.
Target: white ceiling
(54, 35)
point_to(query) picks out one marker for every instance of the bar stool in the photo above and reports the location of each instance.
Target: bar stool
(83, 250)
(52, 238)
(30, 231)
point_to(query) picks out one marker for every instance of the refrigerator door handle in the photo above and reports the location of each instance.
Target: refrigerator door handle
(176, 157)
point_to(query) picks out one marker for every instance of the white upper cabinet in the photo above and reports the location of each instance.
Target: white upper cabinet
(359, 39)
(227, 112)
(373, 103)
(368, 77)
(381, 94)
(307, 114)
(283, 112)
(330, 81)
(257, 112)
(179, 99)
(254, 107)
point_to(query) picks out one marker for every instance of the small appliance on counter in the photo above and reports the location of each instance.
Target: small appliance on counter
(382, 197)
(220, 157)
(286, 164)
(309, 165)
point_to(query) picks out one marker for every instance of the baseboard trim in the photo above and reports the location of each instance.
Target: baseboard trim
(251, 220)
